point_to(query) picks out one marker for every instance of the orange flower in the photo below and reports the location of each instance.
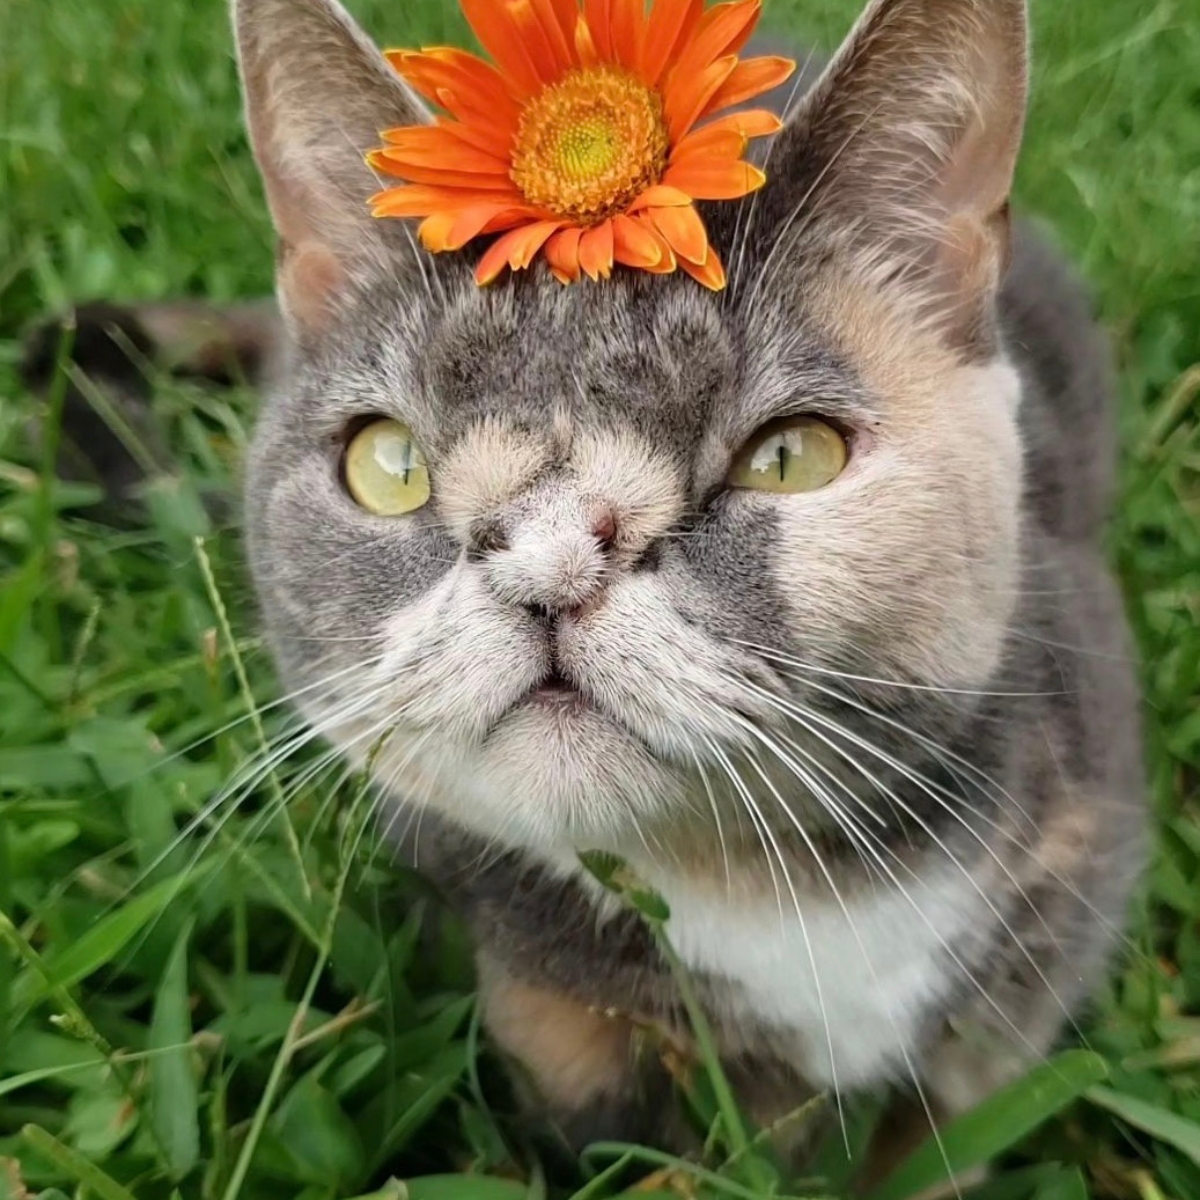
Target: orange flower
(588, 140)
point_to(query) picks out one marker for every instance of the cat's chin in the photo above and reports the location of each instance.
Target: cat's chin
(554, 774)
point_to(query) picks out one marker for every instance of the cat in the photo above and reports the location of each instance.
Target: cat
(876, 744)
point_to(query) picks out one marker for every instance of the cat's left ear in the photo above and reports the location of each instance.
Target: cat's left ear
(902, 155)
(317, 93)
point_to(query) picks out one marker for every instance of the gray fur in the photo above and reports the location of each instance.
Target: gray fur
(957, 557)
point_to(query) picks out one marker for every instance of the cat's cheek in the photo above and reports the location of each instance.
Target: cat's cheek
(664, 678)
(456, 661)
(887, 568)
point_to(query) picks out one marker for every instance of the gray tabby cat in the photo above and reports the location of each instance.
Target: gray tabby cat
(876, 742)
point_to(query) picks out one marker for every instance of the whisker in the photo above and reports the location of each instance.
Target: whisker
(841, 814)
(938, 751)
(278, 702)
(756, 815)
(787, 237)
(248, 777)
(741, 237)
(804, 718)
(870, 965)
(1091, 653)
(385, 790)
(788, 660)
(716, 813)
(927, 742)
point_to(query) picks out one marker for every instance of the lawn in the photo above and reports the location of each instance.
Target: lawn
(201, 997)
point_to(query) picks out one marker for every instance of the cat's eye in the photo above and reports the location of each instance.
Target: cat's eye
(385, 469)
(795, 454)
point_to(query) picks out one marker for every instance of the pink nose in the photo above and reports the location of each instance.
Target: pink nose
(556, 561)
(604, 527)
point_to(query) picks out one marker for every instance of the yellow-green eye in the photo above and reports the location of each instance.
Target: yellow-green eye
(796, 454)
(385, 468)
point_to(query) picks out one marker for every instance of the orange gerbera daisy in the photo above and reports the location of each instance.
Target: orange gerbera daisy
(589, 139)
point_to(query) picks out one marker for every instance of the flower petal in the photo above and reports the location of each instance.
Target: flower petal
(482, 127)
(495, 258)
(628, 30)
(724, 29)
(669, 261)
(562, 254)
(452, 229)
(439, 146)
(474, 82)
(537, 40)
(585, 43)
(433, 230)
(683, 231)
(750, 78)
(634, 244)
(515, 249)
(598, 16)
(535, 238)
(710, 144)
(671, 25)
(659, 196)
(422, 200)
(596, 250)
(711, 273)
(413, 200)
(567, 13)
(481, 135)
(686, 98)
(472, 221)
(714, 181)
(557, 19)
(473, 181)
(493, 24)
(750, 123)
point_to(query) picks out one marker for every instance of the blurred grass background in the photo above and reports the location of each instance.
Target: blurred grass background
(261, 1012)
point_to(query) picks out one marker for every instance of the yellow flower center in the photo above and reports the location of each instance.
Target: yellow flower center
(588, 145)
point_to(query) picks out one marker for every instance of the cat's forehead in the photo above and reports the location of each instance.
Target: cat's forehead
(659, 358)
(662, 358)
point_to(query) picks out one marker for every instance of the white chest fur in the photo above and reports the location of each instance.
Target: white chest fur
(850, 985)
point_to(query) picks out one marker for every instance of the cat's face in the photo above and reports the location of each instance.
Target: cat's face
(592, 632)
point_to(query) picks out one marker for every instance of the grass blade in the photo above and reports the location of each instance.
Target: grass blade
(464, 1187)
(1070, 1185)
(174, 1093)
(243, 680)
(1158, 1122)
(81, 1169)
(99, 946)
(997, 1124)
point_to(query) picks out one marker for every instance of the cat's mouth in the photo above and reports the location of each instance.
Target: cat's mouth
(556, 690)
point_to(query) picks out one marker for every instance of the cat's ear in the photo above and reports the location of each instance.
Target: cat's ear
(905, 148)
(317, 93)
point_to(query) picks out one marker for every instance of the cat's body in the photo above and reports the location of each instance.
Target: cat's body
(876, 745)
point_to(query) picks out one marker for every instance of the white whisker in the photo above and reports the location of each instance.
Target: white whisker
(756, 815)
(807, 718)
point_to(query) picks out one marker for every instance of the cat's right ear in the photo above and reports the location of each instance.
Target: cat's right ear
(317, 93)
(904, 153)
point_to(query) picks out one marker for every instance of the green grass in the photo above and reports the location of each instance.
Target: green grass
(264, 1010)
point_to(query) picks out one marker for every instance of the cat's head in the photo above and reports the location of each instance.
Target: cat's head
(594, 631)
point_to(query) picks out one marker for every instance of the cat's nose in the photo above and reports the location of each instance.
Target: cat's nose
(550, 567)
(604, 527)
